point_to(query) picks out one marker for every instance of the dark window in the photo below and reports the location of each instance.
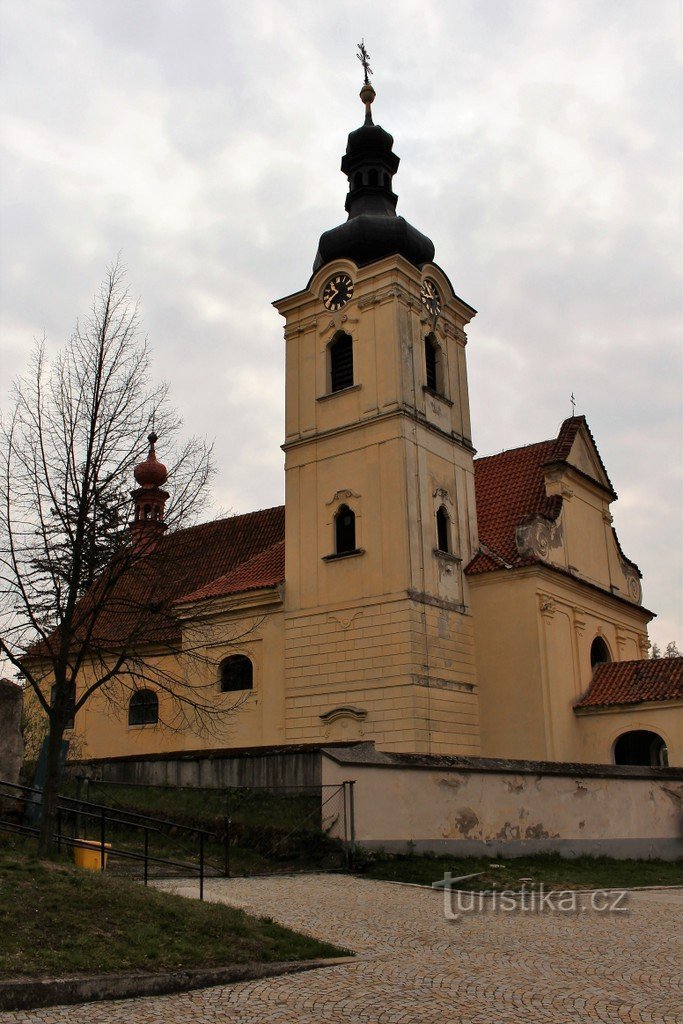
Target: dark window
(431, 354)
(345, 530)
(373, 178)
(143, 708)
(358, 180)
(442, 523)
(237, 673)
(386, 181)
(70, 705)
(641, 747)
(600, 654)
(341, 363)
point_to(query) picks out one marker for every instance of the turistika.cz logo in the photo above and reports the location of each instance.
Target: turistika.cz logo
(531, 898)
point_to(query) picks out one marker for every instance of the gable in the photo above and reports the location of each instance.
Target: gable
(583, 456)
(520, 496)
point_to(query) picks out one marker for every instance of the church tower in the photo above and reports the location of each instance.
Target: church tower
(380, 509)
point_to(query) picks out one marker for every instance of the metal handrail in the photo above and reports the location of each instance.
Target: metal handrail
(103, 813)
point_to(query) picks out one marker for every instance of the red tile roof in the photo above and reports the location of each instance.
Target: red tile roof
(509, 488)
(266, 569)
(633, 682)
(138, 609)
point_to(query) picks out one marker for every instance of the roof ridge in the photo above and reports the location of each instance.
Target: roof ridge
(519, 448)
(224, 519)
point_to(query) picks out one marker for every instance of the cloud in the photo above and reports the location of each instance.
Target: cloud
(203, 140)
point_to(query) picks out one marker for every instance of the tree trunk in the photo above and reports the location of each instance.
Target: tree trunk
(53, 772)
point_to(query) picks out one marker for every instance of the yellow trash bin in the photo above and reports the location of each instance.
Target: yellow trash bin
(88, 854)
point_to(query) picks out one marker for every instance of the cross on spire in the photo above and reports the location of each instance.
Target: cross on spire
(364, 58)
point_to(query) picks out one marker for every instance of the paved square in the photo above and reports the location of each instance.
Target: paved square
(414, 967)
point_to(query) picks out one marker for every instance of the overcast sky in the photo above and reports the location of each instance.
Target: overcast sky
(201, 139)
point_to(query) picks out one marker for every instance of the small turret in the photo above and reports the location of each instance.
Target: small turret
(150, 501)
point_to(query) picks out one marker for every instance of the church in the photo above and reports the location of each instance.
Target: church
(407, 593)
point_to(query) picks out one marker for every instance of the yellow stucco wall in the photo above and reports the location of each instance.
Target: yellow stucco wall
(394, 643)
(388, 630)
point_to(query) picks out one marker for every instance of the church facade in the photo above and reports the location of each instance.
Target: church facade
(407, 592)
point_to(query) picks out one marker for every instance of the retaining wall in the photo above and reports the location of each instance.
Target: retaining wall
(480, 806)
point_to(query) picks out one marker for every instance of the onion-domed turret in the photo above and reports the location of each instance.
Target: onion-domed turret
(151, 472)
(373, 229)
(150, 501)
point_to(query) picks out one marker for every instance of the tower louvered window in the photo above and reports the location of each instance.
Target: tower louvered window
(345, 530)
(341, 363)
(442, 532)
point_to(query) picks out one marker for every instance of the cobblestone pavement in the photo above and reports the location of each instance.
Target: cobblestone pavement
(414, 967)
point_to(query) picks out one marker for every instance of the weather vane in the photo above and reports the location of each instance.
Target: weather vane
(364, 58)
(573, 401)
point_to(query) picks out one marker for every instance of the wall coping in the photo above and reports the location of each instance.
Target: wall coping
(211, 754)
(364, 755)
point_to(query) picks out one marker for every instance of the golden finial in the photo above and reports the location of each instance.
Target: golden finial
(367, 93)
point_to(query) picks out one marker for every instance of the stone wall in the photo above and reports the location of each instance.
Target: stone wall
(211, 769)
(11, 742)
(479, 806)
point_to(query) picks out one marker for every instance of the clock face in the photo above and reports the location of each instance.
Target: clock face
(337, 291)
(429, 294)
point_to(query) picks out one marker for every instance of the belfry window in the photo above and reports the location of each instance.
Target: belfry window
(143, 708)
(237, 673)
(433, 365)
(341, 362)
(345, 530)
(600, 654)
(443, 540)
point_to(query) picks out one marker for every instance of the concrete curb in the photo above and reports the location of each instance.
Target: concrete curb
(518, 892)
(31, 993)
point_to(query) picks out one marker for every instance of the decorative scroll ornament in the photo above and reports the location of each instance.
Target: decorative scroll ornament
(546, 606)
(536, 536)
(350, 720)
(342, 495)
(344, 621)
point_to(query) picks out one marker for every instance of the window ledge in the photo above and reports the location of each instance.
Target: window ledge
(446, 556)
(342, 391)
(344, 554)
(435, 394)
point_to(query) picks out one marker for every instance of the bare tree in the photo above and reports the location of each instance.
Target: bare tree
(85, 610)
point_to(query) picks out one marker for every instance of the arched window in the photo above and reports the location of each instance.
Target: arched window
(373, 178)
(143, 708)
(433, 365)
(341, 362)
(345, 530)
(443, 530)
(357, 179)
(641, 747)
(237, 673)
(600, 654)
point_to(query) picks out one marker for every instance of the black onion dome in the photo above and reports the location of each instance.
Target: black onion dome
(373, 230)
(369, 138)
(367, 237)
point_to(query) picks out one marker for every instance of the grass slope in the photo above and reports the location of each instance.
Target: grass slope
(57, 919)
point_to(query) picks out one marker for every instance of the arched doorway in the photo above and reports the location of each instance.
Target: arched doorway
(641, 747)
